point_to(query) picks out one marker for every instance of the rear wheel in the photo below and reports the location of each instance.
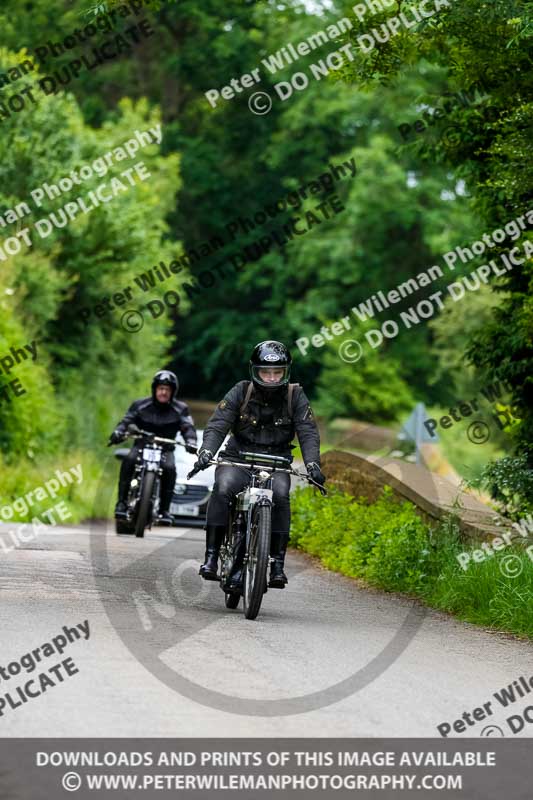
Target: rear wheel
(144, 509)
(255, 571)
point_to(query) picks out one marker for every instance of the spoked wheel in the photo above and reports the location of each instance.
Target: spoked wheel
(255, 571)
(144, 508)
(232, 599)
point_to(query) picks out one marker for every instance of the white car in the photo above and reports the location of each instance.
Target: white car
(190, 498)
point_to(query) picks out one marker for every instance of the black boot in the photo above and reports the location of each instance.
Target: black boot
(121, 508)
(214, 536)
(278, 548)
(164, 517)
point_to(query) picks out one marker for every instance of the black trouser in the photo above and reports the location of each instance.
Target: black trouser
(231, 480)
(168, 478)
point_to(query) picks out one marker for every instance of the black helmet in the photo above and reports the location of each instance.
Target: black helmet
(165, 378)
(270, 355)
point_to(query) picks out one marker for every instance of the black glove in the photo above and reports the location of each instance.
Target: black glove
(316, 475)
(116, 437)
(204, 457)
(191, 448)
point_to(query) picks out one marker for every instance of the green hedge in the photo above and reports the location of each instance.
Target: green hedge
(84, 501)
(387, 544)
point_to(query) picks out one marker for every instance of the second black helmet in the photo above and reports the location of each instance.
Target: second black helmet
(165, 378)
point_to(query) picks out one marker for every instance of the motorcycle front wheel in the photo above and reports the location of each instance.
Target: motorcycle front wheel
(144, 507)
(255, 572)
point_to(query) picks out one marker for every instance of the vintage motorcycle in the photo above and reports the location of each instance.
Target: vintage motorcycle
(143, 494)
(248, 534)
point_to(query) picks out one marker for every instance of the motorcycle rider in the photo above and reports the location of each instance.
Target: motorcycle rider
(163, 415)
(263, 415)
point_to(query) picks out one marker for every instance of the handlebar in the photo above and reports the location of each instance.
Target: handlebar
(134, 432)
(249, 467)
(152, 438)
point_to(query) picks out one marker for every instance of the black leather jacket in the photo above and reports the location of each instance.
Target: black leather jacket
(163, 419)
(265, 425)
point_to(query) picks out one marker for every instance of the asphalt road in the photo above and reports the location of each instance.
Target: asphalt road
(165, 658)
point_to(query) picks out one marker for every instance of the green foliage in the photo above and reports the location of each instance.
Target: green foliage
(484, 596)
(490, 43)
(510, 483)
(467, 458)
(387, 544)
(453, 330)
(43, 290)
(389, 231)
(370, 389)
(84, 500)
(406, 206)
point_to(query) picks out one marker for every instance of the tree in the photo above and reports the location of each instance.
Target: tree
(369, 389)
(50, 285)
(488, 44)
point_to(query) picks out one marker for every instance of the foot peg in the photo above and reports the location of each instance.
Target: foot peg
(233, 588)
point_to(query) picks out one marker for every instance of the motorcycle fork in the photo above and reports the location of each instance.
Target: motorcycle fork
(263, 501)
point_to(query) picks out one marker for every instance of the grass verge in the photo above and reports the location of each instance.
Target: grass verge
(82, 499)
(388, 545)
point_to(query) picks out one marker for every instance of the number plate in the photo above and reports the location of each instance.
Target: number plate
(257, 492)
(152, 455)
(185, 511)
